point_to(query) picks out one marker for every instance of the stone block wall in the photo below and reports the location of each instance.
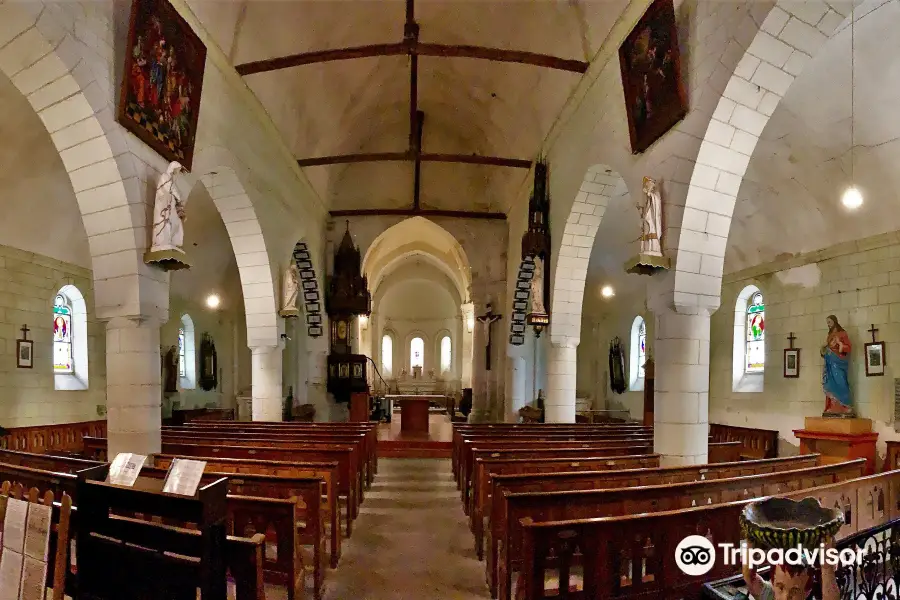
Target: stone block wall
(859, 282)
(28, 285)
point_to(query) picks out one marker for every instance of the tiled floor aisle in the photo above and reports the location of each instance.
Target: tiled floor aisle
(411, 541)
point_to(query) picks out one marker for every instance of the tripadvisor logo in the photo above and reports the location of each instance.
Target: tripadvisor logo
(695, 555)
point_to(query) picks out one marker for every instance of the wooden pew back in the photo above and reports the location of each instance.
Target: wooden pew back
(755, 443)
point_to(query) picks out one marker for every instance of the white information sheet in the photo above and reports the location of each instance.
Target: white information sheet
(10, 574)
(184, 476)
(125, 468)
(14, 525)
(37, 531)
(34, 579)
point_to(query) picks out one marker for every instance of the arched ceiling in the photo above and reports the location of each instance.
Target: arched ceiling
(417, 289)
(41, 213)
(353, 106)
(790, 199)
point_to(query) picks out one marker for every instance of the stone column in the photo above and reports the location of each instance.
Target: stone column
(480, 408)
(133, 386)
(317, 357)
(468, 329)
(267, 391)
(559, 404)
(517, 397)
(681, 420)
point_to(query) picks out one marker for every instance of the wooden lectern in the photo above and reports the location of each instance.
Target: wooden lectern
(839, 439)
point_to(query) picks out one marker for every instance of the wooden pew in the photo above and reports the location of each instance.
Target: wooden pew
(183, 415)
(541, 450)
(342, 455)
(721, 452)
(244, 556)
(641, 564)
(65, 437)
(530, 484)
(583, 504)
(369, 430)
(755, 443)
(461, 431)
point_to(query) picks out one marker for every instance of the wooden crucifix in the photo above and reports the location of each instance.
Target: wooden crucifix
(873, 330)
(488, 319)
(791, 339)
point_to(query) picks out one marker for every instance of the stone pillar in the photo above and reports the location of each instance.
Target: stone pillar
(317, 369)
(517, 395)
(681, 420)
(480, 408)
(468, 330)
(267, 391)
(559, 405)
(133, 386)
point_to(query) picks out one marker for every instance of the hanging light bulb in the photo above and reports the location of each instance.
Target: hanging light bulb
(852, 198)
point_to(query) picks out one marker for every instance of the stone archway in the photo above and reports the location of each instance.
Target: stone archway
(791, 34)
(601, 183)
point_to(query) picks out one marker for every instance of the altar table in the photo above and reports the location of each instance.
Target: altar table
(414, 411)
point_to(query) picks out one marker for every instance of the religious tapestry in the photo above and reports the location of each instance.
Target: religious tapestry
(650, 60)
(164, 63)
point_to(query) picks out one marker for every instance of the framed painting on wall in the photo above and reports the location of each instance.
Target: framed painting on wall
(875, 359)
(650, 60)
(162, 81)
(25, 354)
(792, 362)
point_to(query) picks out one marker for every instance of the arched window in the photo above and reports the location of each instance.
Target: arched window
(416, 352)
(70, 353)
(755, 354)
(637, 354)
(187, 354)
(62, 335)
(446, 356)
(749, 355)
(387, 355)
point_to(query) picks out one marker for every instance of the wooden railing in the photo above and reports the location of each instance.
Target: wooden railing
(66, 437)
(633, 556)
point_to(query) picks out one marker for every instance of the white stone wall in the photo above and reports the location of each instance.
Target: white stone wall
(28, 285)
(858, 282)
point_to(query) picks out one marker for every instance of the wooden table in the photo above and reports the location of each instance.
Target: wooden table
(414, 411)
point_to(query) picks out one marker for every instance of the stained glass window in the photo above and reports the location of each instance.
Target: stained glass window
(755, 353)
(62, 335)
(642, 348)
(445, 354)
(182, 354)
(417, 352)
(387, 354)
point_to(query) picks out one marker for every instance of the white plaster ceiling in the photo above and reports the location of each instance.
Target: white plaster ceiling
(40, 212)
(417, 292)
(471, 106)
(790, 199)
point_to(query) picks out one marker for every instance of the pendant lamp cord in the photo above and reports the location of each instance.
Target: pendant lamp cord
(852, 97)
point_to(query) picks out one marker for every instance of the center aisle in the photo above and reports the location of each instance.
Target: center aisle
(411, 541)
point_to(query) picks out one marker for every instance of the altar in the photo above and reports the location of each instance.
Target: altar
(414, 411)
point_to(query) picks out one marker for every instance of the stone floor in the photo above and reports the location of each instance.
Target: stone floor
(411, 540)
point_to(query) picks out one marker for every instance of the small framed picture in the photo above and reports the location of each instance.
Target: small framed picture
(25, 354)
(791, 362)
(875, 359)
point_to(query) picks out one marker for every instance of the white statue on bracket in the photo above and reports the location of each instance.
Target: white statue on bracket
(168, 223)
(290, 289)
(651, 219)
(537, 288)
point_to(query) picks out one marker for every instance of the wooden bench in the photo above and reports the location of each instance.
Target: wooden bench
(633, 556)
(183, 415)
(244, 556)
(755, 443)
(46, 438)
(721, 452)
(347, 482)
(582, 504)
(369, 430)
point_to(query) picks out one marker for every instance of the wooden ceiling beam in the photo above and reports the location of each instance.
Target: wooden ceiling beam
(422, 212)
(413, 47)
(469, 159)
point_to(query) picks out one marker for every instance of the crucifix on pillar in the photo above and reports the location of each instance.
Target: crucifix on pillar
(488, 319)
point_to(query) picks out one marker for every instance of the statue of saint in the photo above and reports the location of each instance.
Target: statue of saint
(537, 288)
(290, 290)
(835, 382)
(651, 219)
(168, 212)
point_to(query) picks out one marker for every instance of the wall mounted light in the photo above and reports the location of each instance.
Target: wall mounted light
(212, 301)
(363, 321)
(470, 323)
(607, 291)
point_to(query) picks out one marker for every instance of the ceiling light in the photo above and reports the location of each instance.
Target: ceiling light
(607, 292)
(852, 198)
(212, 301)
